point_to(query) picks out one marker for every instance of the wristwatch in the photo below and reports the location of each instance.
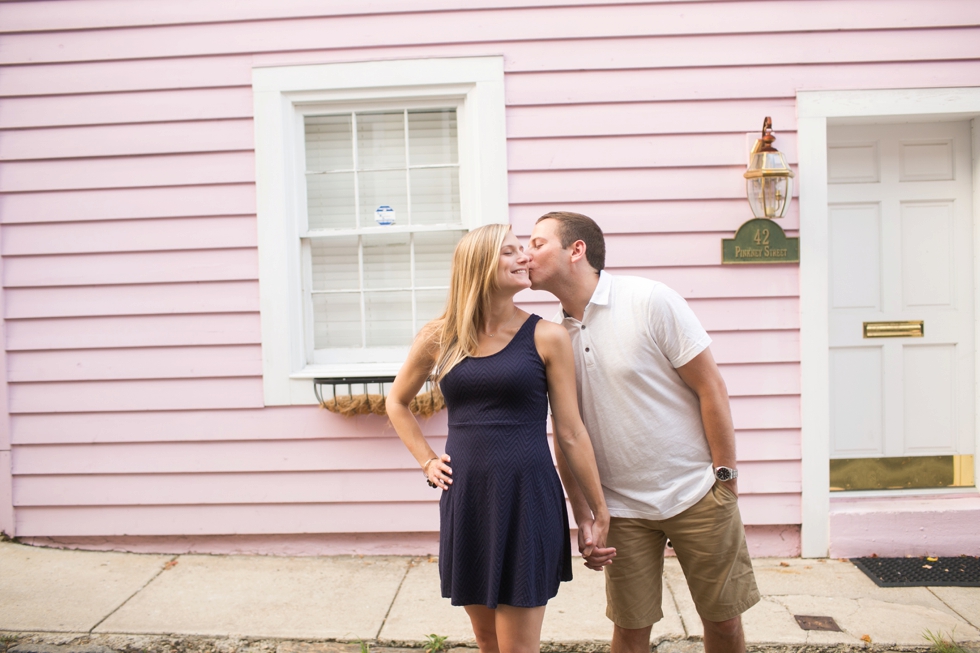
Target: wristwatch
(723, 473)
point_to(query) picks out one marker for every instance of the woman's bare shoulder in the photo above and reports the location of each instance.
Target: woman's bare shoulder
(549, 334)
(550, 329)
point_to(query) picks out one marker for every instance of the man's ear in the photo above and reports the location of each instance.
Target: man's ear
(577, 251)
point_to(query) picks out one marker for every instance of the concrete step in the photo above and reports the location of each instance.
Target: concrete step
(940, 524)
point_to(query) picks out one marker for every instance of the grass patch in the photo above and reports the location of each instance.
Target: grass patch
(943, 644)
(435, 643)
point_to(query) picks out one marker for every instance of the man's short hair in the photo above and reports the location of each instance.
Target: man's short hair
(575, 226)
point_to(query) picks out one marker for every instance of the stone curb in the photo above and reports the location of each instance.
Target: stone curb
(23, 642)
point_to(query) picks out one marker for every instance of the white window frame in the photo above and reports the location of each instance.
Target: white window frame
(815, 110)
(282, 96)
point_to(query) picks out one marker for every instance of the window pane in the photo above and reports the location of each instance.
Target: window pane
(429, 305)
(329, 145)
(432, 137)
(336, 320)
(433, 257)
(330, 201)
(386, 261)
(380, 140)
(435, 196)
(383, 189)
(334, 263)
(389, 318)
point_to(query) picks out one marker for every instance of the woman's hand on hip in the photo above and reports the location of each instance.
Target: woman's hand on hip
(439, 472)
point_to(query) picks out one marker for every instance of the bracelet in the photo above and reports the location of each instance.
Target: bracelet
(425, 471)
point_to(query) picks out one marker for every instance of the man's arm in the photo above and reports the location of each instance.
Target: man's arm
(701, 374)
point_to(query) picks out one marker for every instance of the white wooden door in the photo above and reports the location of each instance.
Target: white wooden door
(901, 248)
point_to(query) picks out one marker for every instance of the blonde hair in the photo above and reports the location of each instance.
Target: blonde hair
(474, 279)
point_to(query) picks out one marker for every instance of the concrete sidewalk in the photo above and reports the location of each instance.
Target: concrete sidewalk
(121, 601)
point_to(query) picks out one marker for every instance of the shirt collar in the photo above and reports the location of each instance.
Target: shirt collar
(600, 295)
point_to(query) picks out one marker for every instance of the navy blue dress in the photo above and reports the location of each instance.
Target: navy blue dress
(504, 535)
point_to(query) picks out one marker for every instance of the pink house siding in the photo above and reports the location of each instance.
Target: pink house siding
(130, 273)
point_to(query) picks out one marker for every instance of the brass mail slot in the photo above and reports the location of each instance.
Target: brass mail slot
(908, 329)
(901, 473)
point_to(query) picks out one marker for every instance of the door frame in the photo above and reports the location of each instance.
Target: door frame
(815, 110)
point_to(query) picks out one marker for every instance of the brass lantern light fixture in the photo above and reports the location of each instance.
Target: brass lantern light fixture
(769, 187)
(768, 180)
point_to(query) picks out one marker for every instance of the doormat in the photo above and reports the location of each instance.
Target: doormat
(962, 571)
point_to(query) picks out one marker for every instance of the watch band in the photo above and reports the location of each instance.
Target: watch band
(723, 473)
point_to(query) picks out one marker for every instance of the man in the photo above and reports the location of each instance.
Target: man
(657, 411)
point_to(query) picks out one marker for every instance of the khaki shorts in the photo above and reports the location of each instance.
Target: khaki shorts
(709, 541)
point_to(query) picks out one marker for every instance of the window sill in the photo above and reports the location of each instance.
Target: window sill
(348, 370)
(300, 382)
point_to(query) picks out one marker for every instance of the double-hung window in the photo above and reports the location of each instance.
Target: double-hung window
(383, 215)
(368, 174)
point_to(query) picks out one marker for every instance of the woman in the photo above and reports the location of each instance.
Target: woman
(504, 543)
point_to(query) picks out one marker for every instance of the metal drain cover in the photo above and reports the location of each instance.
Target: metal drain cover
(817, 623)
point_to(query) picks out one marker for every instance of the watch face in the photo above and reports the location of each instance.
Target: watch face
(723, 474)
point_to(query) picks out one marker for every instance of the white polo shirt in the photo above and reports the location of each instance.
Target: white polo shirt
(644, 421)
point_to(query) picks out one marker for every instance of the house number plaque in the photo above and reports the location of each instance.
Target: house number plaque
(760, 241)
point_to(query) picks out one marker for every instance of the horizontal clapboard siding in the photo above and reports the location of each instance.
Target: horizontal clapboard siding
(128, 204)
(280, 486)
(142, 171)
(527, 56)
(489, 25)
(134, 363)
(134, 299)
(130, 267)
(31, 149)
(162, 234)
(155, 394)
(133, 331)
(296, 424)
(523, 90)
(128, 231)
(127, 140)
(88, 14)
(271, 519)
(293, 423)
(252, 457)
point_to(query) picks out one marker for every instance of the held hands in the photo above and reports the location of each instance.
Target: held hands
(438, 472)
(592, 543)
